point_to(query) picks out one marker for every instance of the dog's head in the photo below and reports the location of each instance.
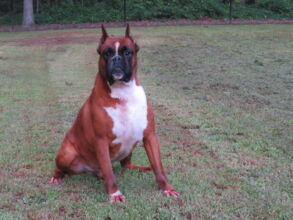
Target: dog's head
(118, 60)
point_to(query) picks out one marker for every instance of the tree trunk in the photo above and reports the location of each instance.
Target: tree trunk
(28, 13)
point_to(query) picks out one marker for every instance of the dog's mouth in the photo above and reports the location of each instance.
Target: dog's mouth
(117, 74)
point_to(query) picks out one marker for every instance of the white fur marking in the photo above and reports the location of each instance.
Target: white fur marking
(129, 117)
(117, 44)
(117, 193)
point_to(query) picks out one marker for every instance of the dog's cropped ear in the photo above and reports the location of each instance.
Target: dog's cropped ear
(136, 47)
(104, 34)
(127, 34)
(127, 31)
(102, 39)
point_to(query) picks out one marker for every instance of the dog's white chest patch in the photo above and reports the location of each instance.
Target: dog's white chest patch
(129, 117)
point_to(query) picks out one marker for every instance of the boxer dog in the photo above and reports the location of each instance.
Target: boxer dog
(114, 118)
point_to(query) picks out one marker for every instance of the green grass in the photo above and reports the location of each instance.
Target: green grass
(224, 110)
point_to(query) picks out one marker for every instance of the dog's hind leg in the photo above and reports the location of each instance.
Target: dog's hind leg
(126, 163)
(67, 162)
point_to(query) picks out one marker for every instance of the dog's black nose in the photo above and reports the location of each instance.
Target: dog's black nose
(116, 59)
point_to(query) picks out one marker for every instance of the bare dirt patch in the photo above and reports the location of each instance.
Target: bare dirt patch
(55, 40)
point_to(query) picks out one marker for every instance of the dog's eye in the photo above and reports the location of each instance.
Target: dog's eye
(127, 52)
(108, 53)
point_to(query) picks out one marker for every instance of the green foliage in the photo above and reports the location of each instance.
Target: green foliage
(66, 12)
(77, 11)
(11, 19)
(280, 6)
(264, 9)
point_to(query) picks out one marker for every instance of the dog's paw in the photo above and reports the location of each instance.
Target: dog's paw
(117, 197)
(171, 192)
(55, 180)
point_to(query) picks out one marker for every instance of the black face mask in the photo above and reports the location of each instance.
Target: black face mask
(118, 65)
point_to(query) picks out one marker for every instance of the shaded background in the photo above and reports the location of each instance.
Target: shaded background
(83, 11)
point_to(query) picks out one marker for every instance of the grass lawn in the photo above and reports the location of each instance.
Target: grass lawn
(224, 111)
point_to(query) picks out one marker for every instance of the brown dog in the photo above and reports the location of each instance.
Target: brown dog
(114, 118)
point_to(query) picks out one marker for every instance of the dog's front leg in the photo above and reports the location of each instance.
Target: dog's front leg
(106, 171)
(153, 151)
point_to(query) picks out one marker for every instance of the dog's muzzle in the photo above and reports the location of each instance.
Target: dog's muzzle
(117, 70)
(117, 74)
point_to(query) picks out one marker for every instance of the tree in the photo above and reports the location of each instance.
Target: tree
(28, 13)
(249, 2)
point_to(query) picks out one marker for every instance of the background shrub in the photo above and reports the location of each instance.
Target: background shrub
(81, 11)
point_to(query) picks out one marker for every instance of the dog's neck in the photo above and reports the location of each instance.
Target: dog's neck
(103, 89)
